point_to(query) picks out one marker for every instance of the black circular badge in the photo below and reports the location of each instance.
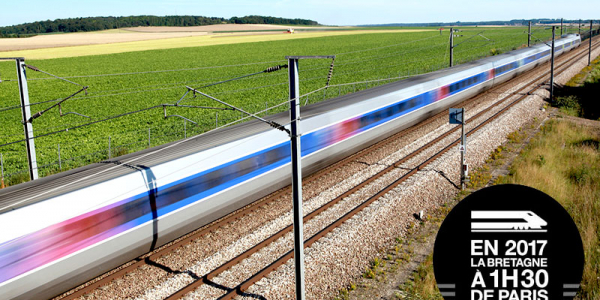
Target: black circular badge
(508, 242)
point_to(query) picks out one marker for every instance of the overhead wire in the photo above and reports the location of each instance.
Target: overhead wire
(173, 87)
(55, 76)
(270, 69)
(135, 91)
(222, 93)
(142, 110)
(215, 67)
(160, 71)
(128, 113)
(387, 46)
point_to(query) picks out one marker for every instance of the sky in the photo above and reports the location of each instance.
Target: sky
(328, 12)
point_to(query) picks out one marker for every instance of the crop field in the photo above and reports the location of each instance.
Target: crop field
(133, 34)
(125, 82)
(110, 42)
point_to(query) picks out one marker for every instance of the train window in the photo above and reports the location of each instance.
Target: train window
(389, 111)
(395, 109)
(247, 165)
(372, 117)
(412, 102)
(377, 116)
(418, 100)
(269, 157)
(402, 106)
(363, 121)
(212, 179)
(228, 173)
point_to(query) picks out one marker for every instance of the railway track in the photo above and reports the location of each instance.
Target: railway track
(150, 259)
(241, 288)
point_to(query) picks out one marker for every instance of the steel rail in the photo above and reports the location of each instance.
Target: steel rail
(215, 225)
(239, 290)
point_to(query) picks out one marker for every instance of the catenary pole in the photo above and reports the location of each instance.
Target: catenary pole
(59, 162)
(297, 169)
(561, 26)
(296, 176)
(552, 67)
(451, 46)
(26, 113)
(529, 36)
(590, 49)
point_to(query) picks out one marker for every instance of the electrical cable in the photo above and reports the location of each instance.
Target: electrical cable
(57, 77)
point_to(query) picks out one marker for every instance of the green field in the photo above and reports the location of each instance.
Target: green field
(120, 83)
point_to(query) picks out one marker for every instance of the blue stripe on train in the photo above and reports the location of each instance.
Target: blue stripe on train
(188, 190)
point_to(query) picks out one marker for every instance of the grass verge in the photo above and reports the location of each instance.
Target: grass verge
(578, 97)
(564, 162)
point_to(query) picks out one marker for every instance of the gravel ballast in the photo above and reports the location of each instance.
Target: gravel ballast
(344, 254)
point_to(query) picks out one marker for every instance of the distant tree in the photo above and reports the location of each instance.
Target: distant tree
(102, 23)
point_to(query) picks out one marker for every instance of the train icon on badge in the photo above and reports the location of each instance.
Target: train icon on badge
(506, 221)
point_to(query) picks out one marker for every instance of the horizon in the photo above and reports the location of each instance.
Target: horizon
(335, 12)
(320, 24)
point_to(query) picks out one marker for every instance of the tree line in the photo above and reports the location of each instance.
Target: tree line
(516, 22)
(103, 23)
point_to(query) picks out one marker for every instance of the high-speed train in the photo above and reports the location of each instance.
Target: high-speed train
(61, 230)
(502, 221)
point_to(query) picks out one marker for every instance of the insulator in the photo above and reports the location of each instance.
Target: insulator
(275, 68)
(278, 126)
(32, 68)
(330, 71)
(36, 115)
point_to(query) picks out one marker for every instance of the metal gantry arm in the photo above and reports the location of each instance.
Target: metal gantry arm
(232, 107)
(542, 41)
(188, 106)
(60, 102)
(452, 46)
(39, 113)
